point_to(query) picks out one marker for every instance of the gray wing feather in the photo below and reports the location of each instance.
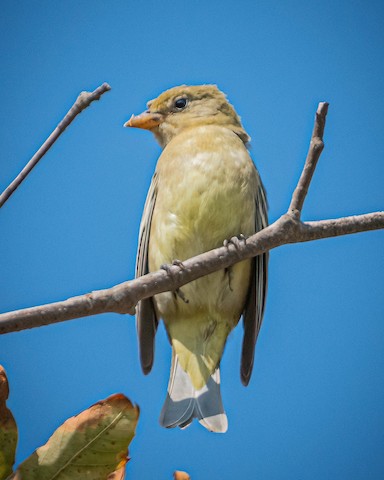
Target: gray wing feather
(146, 319)
(255, 304)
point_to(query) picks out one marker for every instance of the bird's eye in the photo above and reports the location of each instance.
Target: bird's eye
(180, 103)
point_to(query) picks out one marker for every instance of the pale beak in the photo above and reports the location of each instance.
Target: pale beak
(146, 120)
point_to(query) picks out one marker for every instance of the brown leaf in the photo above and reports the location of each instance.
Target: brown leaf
(89, 446)
(8, 430)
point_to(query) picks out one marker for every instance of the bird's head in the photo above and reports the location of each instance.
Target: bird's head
(184, 107)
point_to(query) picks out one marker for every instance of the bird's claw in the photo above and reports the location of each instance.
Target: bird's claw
(236, 241)
(181, 295)
(175, 263)
(178, 263)
(228, 271)
(167, 267)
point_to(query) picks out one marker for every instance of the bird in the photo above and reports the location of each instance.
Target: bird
(205, 191)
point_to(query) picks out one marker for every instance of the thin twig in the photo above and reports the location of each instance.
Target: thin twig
(315, 148)
(82, 102)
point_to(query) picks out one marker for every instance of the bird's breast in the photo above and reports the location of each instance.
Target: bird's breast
(206, 191)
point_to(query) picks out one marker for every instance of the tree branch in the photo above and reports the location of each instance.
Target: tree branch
(82, 102)
(122, 298)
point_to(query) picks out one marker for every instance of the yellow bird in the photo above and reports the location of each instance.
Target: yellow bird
(205, 189)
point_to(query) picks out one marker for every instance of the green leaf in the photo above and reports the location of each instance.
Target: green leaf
(88, 446)
(8, 430)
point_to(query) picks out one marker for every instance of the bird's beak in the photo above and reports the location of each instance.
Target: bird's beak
(146, 120)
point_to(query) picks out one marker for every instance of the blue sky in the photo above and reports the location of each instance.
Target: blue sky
(315, 405)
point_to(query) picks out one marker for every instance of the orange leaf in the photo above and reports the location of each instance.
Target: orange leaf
(179, 475)
(117, 474)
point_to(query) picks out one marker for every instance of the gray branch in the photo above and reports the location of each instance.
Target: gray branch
(123, 298)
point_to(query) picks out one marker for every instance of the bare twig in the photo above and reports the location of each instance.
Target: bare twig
(287, 229)
(82, 102)
(315, 148)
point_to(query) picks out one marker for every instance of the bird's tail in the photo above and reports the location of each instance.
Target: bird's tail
(184, 402)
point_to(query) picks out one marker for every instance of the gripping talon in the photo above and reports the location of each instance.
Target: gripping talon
(235, 241)
(228, 271)
(181, 295)
(165, 267)
(177, 263)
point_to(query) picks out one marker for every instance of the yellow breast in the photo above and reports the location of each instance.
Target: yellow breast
(207, 185)
(206, 194)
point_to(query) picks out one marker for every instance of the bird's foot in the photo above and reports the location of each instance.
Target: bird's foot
(229, 273)
(176, 263)
(236, 241)
(181, 295)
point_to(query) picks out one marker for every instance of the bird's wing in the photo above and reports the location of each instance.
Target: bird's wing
(254, 307)
(146, 319)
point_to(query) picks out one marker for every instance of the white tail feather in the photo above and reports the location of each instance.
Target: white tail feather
(184, 403)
